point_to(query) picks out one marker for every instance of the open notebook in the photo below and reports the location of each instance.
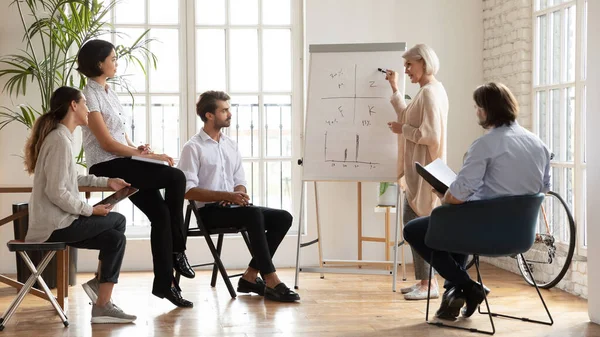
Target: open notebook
(437, 174)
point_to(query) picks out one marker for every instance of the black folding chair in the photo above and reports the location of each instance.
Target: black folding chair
(202, 230)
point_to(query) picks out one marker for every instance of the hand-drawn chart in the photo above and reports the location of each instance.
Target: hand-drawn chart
(347, 137)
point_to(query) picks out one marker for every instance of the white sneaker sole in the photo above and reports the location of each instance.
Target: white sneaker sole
(91, 294)
(110, 320)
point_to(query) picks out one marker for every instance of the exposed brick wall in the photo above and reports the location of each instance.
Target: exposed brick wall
(507, 49)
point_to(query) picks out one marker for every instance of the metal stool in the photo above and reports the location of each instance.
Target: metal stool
(22, 247)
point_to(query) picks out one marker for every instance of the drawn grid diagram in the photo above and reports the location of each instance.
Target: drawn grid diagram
(346, 136)
(341, 81)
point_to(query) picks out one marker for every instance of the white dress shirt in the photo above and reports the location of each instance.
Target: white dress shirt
(211, 165)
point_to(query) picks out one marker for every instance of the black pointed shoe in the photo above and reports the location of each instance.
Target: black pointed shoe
(474, 298)
(281, 293)
(246, 287)
(452, 300)
(174, 296)
(181, 264)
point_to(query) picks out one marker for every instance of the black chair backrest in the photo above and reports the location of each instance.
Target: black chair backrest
(494, 227)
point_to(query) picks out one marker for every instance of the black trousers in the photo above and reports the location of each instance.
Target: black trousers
(451, 266)
(166, 215)
(104, 233)
(266, 228)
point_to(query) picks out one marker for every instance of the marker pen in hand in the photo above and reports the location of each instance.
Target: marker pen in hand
(383, 70)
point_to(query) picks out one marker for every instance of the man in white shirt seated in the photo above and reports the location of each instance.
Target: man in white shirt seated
(215, 178)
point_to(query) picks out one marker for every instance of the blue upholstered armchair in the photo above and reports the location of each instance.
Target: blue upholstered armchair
(504, 226)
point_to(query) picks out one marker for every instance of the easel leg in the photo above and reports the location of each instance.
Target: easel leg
(360, 237)
(395, 265)
(400, 211)
(318, 228)
(299, 235)
(387, 234)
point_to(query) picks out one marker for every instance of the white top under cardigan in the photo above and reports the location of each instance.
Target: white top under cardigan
(55, 201)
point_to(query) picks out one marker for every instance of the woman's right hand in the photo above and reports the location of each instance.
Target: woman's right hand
(160, 156)
(392, 77)
(102, 210)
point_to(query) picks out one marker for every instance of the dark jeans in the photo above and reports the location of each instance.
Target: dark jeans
(449, 265)
(104, 233)
(166, 215)
(266, 229)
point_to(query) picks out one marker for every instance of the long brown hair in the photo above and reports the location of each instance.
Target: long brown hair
(59, 106)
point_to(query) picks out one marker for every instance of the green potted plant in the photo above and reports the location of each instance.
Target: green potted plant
(52, 40)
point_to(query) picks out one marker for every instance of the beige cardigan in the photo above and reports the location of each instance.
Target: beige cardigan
(423, 140)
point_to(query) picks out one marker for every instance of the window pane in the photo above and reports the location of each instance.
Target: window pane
(210, 12)
(251, 169)
(165, 78)
(541, 4)
(584, 123)
(276, 12)
(278, 126)
(245, 125)
(163, 12)
(542, 57)
(277, 60)
(131, 75)
(542, 115)
(244, 60)
(556, 37)
(130, 12)
(210, 60)
(165, 125)
(278, 191)
(136, 107)
(243, 12)
(570, 127)
(556, 125)
(584, 42)
(571, 28)
(584, 205)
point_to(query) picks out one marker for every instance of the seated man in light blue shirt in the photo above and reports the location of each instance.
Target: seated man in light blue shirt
(215, 179)
(508, 160)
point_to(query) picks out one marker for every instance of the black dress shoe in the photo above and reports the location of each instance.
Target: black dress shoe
(181, 264)
(452, 300)
(474, 298)
(245, 286)
(281, 293)
(174, 296)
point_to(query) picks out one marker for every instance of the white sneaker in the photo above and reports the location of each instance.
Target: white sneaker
(421, 294)
(109, 314)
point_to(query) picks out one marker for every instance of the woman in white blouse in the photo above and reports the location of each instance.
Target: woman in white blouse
(421, 128)
(57, 214)
(108, 152)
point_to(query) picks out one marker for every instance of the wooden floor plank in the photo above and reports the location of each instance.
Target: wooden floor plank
(339, 305)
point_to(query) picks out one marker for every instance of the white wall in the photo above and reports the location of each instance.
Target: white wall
(453, 29)
(593, 161)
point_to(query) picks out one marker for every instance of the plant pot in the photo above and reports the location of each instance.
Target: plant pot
(388, 198)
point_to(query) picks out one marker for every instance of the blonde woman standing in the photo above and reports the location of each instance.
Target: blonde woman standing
(421, 128)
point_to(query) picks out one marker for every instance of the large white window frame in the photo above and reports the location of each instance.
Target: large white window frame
(188, 121)
(549, 85)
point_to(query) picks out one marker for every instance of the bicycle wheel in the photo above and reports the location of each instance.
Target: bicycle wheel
(550, 256)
